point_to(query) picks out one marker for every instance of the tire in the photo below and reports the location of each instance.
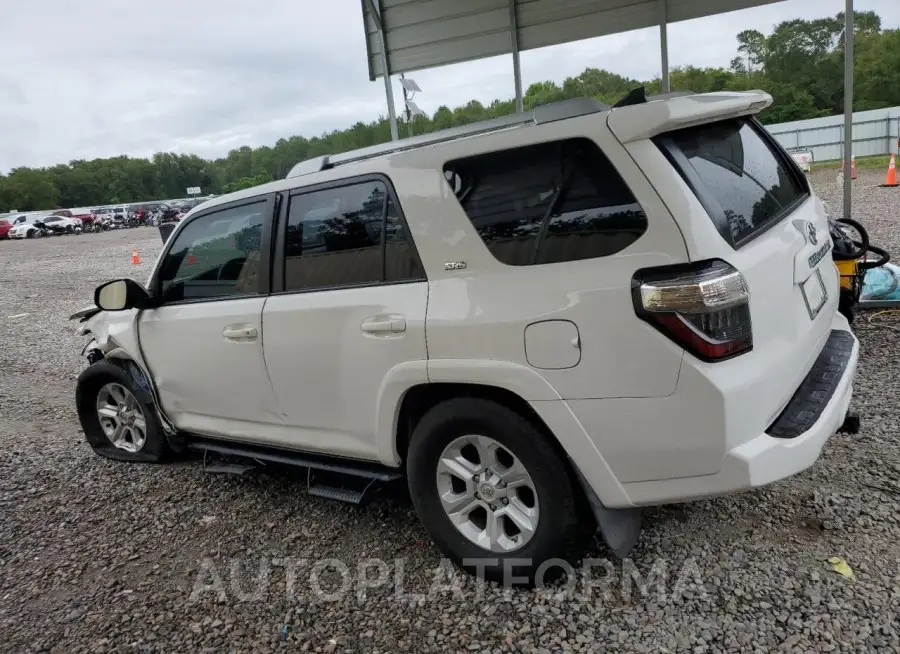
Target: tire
(92, 382)
(70, 229)
(565, 524)
(29, 234)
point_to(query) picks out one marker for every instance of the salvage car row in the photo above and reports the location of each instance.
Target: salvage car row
(70, 221)
(38, 225)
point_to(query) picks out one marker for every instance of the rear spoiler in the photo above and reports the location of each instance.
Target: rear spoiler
(644, 120)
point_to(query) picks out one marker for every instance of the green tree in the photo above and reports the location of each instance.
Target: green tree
(247, 182)
(26, 189)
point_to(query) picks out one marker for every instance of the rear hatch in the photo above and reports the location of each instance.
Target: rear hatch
(739, 197)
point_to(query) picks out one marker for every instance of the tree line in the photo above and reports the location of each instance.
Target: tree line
(800, 63)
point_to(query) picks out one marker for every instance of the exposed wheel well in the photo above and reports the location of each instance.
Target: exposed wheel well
(419, 399)
(121, 359)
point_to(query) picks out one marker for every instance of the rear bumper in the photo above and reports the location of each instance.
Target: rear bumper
(790, 445)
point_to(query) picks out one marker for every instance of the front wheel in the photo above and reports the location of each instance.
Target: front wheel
(37, 233)
(117, 415)
(495, 494)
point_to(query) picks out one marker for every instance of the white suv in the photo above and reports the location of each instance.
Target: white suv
(544, 322)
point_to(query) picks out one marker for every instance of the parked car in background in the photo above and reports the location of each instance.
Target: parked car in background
(13, 219)
(150, 212)
(22, 218)
(102, 220)
(170, 214)
(187, 205)
(5, 226)
(55, 224)
(120, 216)
(83, 214)
(102, 223)
(27, 227)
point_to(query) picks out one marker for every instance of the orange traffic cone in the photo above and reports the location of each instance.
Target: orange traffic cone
(891, 178)
(135, 257)
(852, 167)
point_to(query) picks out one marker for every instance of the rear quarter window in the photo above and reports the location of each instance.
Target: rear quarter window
(741, 176)
(547, 203)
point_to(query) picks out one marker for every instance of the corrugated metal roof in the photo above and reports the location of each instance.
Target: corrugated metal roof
(429, 33)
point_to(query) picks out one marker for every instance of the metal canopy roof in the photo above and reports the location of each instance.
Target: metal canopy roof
(428, 33)
(407, 35)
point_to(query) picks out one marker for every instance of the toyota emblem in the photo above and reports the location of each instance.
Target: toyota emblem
(811, 232)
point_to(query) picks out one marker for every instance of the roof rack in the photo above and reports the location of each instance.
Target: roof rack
(547, 113)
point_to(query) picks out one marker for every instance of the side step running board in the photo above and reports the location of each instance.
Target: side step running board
(337, 479)
(220, 467)
(343, 488)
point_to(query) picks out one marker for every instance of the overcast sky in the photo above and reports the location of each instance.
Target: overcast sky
(81, 79)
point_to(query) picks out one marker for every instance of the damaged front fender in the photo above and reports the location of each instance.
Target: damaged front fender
(115, 339)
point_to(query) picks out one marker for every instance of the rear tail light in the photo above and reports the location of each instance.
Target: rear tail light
(704, 307)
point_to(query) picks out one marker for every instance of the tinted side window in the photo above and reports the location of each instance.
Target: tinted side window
(743, 182)
(547, 203)
(215, 255)
(346, 236)
(400, 260)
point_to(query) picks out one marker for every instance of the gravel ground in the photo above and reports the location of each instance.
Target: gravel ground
(101, 556)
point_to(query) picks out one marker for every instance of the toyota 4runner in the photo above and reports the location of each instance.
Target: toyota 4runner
(543, 322)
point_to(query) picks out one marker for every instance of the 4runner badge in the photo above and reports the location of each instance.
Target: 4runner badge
(818, 255)
(455, 265)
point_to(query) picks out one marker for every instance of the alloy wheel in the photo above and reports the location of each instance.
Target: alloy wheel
(487, 493)
(121, 417)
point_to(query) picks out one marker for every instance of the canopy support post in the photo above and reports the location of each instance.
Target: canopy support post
(517, 66)
(664, 44)
(848, 107)
(386, 69)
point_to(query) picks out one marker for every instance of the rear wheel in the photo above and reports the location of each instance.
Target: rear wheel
(495, 494)
(30, 233)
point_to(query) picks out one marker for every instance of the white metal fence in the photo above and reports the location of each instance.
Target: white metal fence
(874, 132)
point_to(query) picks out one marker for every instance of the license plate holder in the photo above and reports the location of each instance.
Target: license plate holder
(815, 295)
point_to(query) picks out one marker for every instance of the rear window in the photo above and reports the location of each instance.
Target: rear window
(740, 175)
(547, 203)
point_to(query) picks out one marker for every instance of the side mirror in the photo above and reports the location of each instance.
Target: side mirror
(120, 295)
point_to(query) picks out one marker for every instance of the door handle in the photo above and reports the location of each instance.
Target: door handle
(240, 333)
(384, 324)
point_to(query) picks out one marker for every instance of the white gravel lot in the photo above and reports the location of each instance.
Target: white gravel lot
(98, 556)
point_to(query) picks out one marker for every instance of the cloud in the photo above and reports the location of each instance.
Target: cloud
(108, 77)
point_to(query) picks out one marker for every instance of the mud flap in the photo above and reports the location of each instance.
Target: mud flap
(620, 528)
